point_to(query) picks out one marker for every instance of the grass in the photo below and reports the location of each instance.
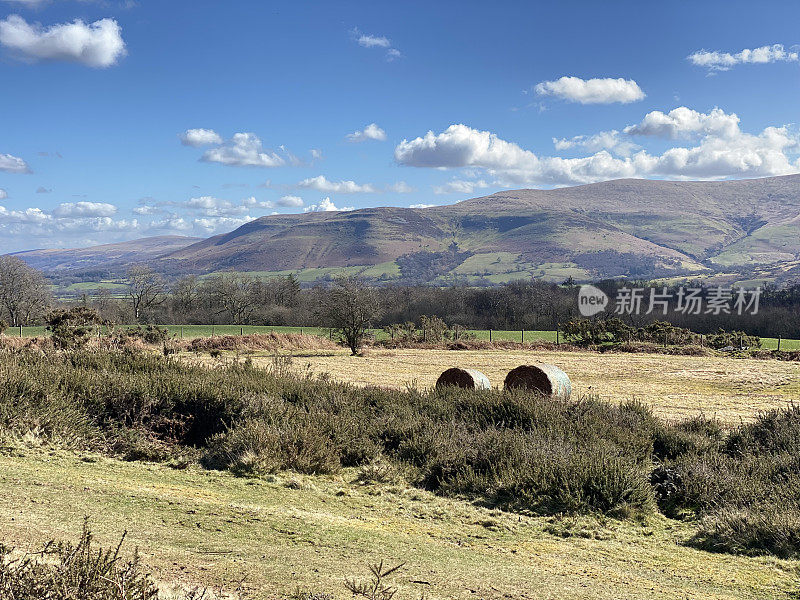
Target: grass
(675, 386)
(425, 478)
(194, 331)
(206, 527)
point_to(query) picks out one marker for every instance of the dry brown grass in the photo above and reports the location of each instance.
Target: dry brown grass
(261, 341)
(676, 386)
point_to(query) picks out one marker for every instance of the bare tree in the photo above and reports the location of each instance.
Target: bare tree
(350, 307)
(145, 289)
(24, 295)
(235, 294)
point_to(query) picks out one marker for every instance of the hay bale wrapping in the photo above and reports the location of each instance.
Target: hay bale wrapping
(548, 380)
(464, 378)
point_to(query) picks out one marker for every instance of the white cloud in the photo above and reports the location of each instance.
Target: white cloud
(43, 190)
(316, 154)
(147, 210)
(200, 137)
(376, 41)
(3, 194)
(723, 61)
(373, 41)
(31, 216)
(605, 140)
(97, 44)
(84, 210)
(325, 205)
(683, 122)
(370, 132)
(209, 206)
(461, 146)
(460, 186)
(13, 164)
(422, 206)
(291, 201)
(243, 150)
(592, 91)
(401, 187)
(322, 184)
(714, 157)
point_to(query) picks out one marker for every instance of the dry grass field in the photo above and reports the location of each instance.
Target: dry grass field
(731, 389)
(288, 531)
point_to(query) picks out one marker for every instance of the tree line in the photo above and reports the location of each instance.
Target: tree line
(243, 299)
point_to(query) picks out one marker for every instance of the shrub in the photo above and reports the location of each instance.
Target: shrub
(755, 530)
(75, 571)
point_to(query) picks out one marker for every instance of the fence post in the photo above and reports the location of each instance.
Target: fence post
(522, 337)
(779, 343)
(212, 331)
(20, 331)
(241, 331)
(558, 340)
(181, 331)
(490, 336)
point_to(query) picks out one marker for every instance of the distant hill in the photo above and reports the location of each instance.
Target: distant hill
(107, 256)
(632, 227)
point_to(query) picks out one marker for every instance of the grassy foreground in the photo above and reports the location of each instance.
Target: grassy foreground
(208, 527)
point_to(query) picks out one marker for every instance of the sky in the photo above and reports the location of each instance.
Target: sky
(123, 119)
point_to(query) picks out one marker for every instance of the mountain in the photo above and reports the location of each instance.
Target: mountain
(107, 256)
(633, 227)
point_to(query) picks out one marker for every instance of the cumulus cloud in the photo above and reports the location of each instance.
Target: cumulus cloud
(716, 156)
(13, 164)
(200, 137)
(683, 122)
(210, 206)
(326, 205)
(146, 209)
(243, 150)
(422, 206)
(723, 61)
(605, 140)
(84, 210)
(3, 194)
(322, 184)
(291, 201)
(461, 146)
(370, 132)
(97, 44)
(460, 186)
(592, 91)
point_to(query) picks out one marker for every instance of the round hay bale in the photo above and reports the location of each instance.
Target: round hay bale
(464, 378)
(548, 380)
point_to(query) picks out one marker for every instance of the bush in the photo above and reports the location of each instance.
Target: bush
(511, 450)
(75, 572)
(755, 530)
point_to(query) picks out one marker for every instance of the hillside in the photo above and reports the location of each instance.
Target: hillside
(107, 256)
(635, 228)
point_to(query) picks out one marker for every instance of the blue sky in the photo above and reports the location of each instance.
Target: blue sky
(100, 120)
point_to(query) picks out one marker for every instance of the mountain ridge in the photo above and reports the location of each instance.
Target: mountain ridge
(627, 227)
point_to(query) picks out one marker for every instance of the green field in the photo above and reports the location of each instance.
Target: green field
(195, 331)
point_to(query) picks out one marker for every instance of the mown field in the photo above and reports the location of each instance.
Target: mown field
(675, 386)
(195, 331)
(286, 531)
(282, 478)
